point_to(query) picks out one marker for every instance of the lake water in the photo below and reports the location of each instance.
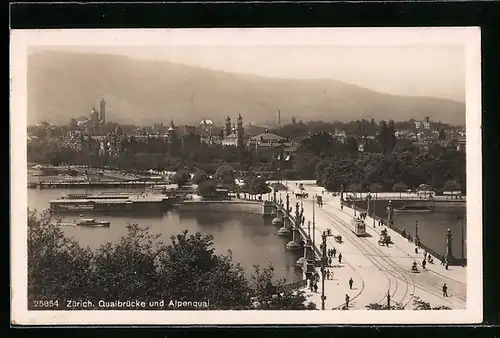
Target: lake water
(432, 227)
(252, 239)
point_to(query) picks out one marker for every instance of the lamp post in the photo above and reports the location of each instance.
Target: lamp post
(416, 233)
(324, 235)
(462, 221)
(314, 224)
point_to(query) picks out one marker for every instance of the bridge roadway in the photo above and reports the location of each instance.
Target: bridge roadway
(376, 270)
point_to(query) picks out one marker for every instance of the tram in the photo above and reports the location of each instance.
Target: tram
(358, 226)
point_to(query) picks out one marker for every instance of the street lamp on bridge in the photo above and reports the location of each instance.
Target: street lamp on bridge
(462, 222)
(324, 260)
(314, 223)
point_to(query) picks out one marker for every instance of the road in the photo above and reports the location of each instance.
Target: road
(377, 270)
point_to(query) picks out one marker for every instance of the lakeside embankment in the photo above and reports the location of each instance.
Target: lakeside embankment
(264, 208)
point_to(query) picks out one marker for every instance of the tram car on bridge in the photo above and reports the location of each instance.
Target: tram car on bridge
(358, 226)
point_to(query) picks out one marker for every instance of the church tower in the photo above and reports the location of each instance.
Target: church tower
(227, 129)
(102, 110)
(172, 137)
(240, 131)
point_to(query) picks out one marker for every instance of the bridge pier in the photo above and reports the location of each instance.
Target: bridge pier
(308, 259)
(285, 229)
(269, 208)
(278, 219)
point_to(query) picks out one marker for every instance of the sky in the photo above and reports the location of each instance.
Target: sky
(436, 70)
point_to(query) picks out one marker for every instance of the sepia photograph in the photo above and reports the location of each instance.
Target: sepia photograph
(246, 176)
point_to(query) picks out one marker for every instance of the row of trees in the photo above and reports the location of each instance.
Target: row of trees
(441, 168)
(331, 161)
(140, 267)
(418, 304)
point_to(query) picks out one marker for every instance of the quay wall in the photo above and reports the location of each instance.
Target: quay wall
(435, 205)
(254, 207)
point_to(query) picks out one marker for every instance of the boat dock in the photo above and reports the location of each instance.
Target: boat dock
(92, 184)
(109, 202)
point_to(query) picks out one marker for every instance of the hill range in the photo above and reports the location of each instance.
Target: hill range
(63, 85)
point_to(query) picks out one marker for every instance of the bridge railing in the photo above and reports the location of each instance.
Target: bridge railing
(403, 197)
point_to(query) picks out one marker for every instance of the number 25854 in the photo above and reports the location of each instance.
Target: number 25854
(46, 303)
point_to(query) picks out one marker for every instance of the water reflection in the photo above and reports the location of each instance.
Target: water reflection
(251, 238)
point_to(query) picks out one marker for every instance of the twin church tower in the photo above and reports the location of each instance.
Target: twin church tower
(232, 130)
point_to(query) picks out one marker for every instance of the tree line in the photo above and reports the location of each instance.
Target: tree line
(140, 267)
(383, 161)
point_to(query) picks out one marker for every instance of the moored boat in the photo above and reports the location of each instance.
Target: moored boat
(412, 208)
(92, 222)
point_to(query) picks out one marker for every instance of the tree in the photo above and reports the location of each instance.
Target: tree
(442, 134)
(255, 185)
(378, 306)
(181, 177)
(57, 267)
(200, 176)
(419, 304)
(376, 187)
(354, 188)
(271, 294)
(451, 185)
(399, 187)
(140, 267)
(207, 189)
(351, 145)
(386, 136)
(225, 175)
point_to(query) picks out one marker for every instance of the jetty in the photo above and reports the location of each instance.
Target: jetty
(61, 184)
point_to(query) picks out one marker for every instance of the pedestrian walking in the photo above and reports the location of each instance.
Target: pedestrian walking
(445, 290)
(330, 261)
(311, 284)
(425, 254)
(340, 258)
(347, 298)
(403, 233)
(424, 262)
(334, 252)
(446, 265)
(416, 250)
(327, 273)
(316, 287)
(351, 282)
(341, 207)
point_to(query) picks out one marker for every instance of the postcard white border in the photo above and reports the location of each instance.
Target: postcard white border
(469, 37)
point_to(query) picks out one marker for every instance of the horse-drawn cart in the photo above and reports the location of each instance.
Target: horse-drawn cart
(385, 239)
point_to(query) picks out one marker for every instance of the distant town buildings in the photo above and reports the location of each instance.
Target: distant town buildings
(93, 133)
(93, 124)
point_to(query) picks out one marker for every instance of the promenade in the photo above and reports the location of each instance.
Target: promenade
(376, 270)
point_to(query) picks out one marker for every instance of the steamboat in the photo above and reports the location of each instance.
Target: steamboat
(112, 202)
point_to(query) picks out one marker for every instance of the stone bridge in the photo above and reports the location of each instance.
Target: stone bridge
(292, 226)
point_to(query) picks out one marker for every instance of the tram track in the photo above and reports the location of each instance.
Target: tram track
(317, 253)
(449, 280)
(423, 284)
(376, 257)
